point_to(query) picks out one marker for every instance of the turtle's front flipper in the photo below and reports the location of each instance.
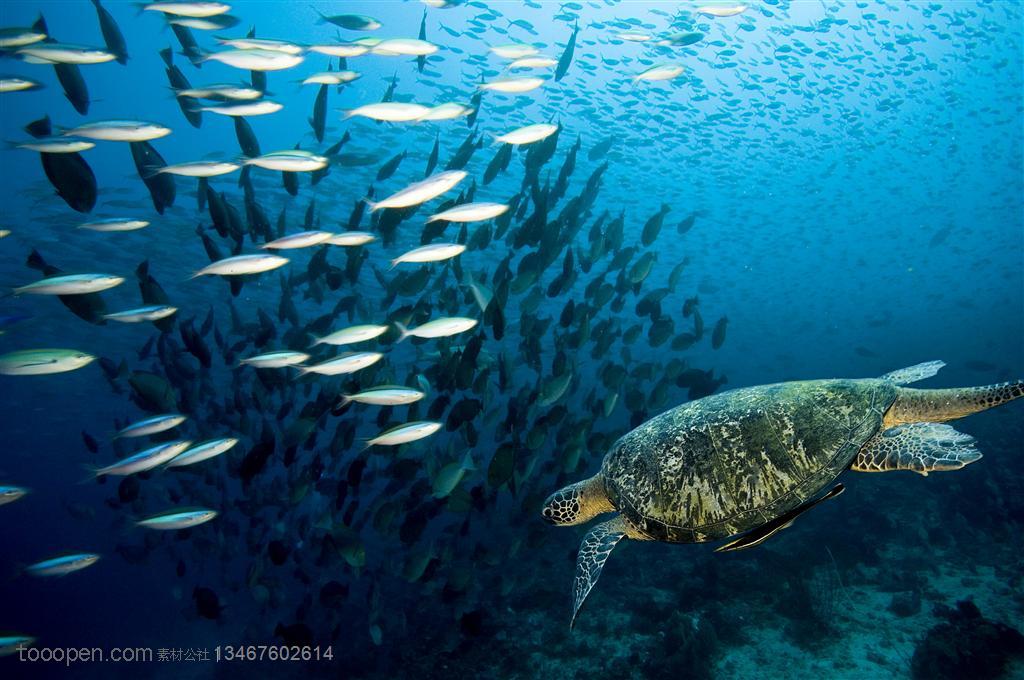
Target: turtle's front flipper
(921, 447)
(938, 406)
(597, 545)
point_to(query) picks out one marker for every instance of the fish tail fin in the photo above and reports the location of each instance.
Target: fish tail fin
(197, 55)
(36, 261)
(373, 206)
(402, 330)
(345, 400)
(149, 171)
(92, 473)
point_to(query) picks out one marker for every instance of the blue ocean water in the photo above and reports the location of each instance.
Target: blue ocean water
(843, 185)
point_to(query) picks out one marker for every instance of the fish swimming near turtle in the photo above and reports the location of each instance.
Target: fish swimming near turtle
(744, 464)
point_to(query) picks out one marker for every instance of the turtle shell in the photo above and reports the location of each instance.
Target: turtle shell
(730, 462)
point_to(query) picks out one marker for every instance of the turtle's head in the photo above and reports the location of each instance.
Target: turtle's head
(577, 503)
(562, 508)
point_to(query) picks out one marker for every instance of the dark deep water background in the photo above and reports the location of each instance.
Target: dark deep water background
(856, 174)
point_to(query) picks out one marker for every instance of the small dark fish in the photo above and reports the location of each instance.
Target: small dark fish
(207, 603)
(69, 75)
(686, 224)
(333, 595)
(498, 164)
(653, 226)
(111, 34)
(432, 160)
(290, 182)
(90, 442)
(599, 150)
(940, 236)
(89, 307)
(153, 294)
(471, 624)
(464, 152)
(350, 22)
(319, 119)
(690, 305)
(298, 634)
(160, 185)
(474, 104)
(684, 39)
(189, 46)
(278, 552)
(152, 392)
(389, 168)
(69, 174)
(189, 106)
(718, 334)
(128, 490)
(566, 58)
(246, 138)
(421, 61)
(331, 152)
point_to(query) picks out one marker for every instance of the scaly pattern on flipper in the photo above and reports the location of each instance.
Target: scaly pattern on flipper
(921, 447)
(937, 406)
(597, 545)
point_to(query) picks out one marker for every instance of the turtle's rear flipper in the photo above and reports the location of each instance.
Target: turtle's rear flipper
(921, 447)
(914, 373)
(757, 536)
(597, 545)
(938, 406)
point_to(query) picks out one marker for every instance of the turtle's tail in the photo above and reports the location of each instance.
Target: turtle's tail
(937, 406)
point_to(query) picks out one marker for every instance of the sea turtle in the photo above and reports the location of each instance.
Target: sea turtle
(746, 463)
